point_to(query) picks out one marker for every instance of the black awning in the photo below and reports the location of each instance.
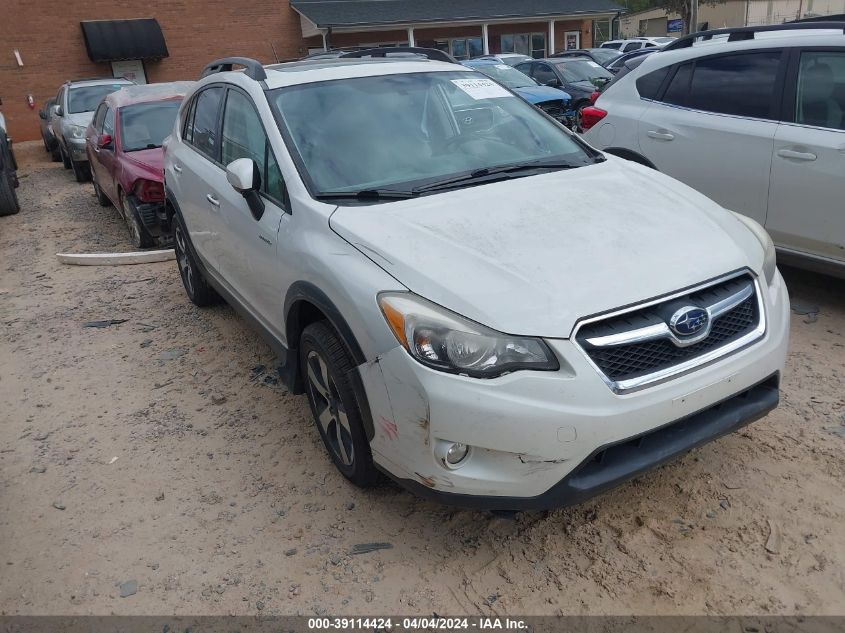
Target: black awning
(115, 40)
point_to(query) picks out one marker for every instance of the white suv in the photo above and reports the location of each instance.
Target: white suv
(474, 301)
(753, 118)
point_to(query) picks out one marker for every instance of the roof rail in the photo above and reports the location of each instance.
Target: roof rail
(252, 68)
(428, 53)
(747, 32)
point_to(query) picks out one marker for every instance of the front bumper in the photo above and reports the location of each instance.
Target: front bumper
(535, 434)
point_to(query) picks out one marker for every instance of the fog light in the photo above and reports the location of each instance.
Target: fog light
(452, 454)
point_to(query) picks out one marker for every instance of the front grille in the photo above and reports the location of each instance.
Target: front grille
(637, 359)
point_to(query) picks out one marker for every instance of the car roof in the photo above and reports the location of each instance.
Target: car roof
(305, 71)
(73, 83)
(483, 61)
(148, 92)
(568, 60)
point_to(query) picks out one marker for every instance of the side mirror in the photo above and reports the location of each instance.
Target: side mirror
(553, 83)
(244, 177)
(60, 111)
(105, 141)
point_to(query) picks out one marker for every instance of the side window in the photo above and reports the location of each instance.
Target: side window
(676, 92)
(108, 122)
(244, 137)
(742, 85)
(820, 98)
(99, 116)
(648, 86)
(188, 122)
(631, 46)
(204, 123)
(543, 73)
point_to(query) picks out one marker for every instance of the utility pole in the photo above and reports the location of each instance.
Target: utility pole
(693, 16)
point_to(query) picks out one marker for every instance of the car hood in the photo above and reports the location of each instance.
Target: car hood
(152, 159)
(78, 118)
(539, 94)
(534, 255)
(585, 85)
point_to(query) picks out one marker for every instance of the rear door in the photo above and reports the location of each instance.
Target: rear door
(806, 201)
(246, 253)
(713, 125)
(196, 171)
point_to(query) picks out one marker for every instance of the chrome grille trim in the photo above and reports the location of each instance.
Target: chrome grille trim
(653, 332)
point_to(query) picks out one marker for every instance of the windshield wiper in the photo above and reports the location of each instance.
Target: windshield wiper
(492, 174)
(366, 194)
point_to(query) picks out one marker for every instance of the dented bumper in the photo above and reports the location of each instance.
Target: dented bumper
(536, 437)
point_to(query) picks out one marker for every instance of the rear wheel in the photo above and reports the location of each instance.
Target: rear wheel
(196, 287)
(8, 197)
(325, 365)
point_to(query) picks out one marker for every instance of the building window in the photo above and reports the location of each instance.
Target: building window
(467, 48)
(533, 44)
(602, 31)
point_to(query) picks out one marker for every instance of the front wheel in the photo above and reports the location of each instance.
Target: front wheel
(8, 197)
(140, 237)
(81, 170)
(325, 365)
(66, 163)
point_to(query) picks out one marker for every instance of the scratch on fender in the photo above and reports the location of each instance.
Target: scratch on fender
(390, 429)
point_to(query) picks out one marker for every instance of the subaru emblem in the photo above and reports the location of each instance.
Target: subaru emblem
(689, 320)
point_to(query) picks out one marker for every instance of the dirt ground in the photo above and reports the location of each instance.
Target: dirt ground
(163, 451)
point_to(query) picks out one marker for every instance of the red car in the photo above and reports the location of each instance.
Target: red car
(123, 143)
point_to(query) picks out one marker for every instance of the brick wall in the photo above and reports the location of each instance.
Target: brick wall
(50, 42)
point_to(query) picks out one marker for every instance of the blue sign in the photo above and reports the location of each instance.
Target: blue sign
(675, 26)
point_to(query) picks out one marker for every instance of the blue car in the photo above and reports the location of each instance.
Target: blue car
(556, 103)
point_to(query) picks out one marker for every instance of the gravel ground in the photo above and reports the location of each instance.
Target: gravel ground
(157, 467)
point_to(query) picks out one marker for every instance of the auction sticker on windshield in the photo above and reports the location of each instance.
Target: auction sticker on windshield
(481, 88)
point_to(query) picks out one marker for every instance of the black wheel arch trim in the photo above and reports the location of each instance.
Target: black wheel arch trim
(304, 291)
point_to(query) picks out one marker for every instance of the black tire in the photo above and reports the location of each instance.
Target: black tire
(137, 232)
(65, 158)
(325, 365)
(46, 144)
(81, 170)
(196, 287)
(56, 153)
(102, 198)
(9, 204)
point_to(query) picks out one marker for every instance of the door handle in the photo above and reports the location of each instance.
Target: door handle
(177, 169)
(660, 136)
(791, 153)
(212, 200)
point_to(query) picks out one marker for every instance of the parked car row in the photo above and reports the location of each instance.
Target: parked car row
(110, 131)
(477, 301)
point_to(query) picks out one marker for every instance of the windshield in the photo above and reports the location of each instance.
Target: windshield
(405, 130)
(146, 125)
(604, 55)
(87, 98)
(586, 70)
(504, 74)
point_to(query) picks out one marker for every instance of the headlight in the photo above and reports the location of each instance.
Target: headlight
(77, 131)
(443, 340)
(770, 257)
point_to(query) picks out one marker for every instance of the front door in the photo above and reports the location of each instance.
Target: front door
(806, 208)
(106, 158)
(246, 254)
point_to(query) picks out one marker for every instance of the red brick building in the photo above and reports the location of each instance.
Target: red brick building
(43, 44)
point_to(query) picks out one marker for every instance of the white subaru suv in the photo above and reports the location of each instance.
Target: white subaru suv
(475, 302)
(753, 118)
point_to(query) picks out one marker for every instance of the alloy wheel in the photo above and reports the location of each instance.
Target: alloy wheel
(185, 269)
(329, 408)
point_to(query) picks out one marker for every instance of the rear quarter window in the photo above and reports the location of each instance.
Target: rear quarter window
(648, 86)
